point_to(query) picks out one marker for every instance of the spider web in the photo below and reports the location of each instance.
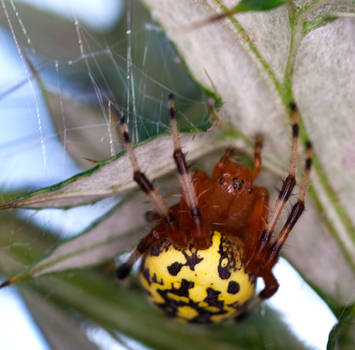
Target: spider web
(58, 115)
(57, 118)
(133, 68)
(95, 77)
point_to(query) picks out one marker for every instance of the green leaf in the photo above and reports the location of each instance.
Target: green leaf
(58, 327)
(343, 334)
(101, 242)
(242, 7)
(258, 5)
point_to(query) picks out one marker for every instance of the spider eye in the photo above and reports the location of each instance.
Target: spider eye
(221, 180)
(250, 190)
(238, 183)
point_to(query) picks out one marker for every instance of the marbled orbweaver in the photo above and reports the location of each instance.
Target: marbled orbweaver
(200, 262)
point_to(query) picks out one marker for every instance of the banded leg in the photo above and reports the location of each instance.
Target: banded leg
(151, 216)
(144, 183)
(266, 255)
(158, 202)
(257, 223)
(201, 239)
(295, 214)
(268, 258)
(286, 190)
(145, 243)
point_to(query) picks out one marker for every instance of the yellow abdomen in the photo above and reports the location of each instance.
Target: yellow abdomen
(198, 286)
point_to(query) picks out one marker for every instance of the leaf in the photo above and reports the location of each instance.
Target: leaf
(114, 175)
(114, 233)
(343, 334)
(259, 62)
(243, 6)
(59, 329)
(128, 312)
(258, 5)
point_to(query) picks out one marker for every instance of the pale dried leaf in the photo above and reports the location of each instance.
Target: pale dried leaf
(114, 176)
(248, 63)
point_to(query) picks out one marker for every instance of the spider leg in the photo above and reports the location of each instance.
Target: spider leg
(261, 259)
(257, 223)
(201, 240)
(141, 179)
(286, 189)
(271, 255)
(147, 187)
(227, 155)
(151, 216)
(145, 243)
(257, 155)
(260, 209)
(262, 263)
(271, 287)
(297, 210)
(161, 208)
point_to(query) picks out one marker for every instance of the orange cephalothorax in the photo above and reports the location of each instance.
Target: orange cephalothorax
(231, 197)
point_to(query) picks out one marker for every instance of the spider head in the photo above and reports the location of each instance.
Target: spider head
(232, 188)
(232, 180)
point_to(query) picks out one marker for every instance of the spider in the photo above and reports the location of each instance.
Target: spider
(201, 261)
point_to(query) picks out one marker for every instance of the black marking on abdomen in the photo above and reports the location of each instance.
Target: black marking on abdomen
(226, 253)
(146, 274)
(155, 280)
(171, 306)
(212, 298)
(174, 268)
(159, 247)
(233, 287)
(183, 291)
(192, 260)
